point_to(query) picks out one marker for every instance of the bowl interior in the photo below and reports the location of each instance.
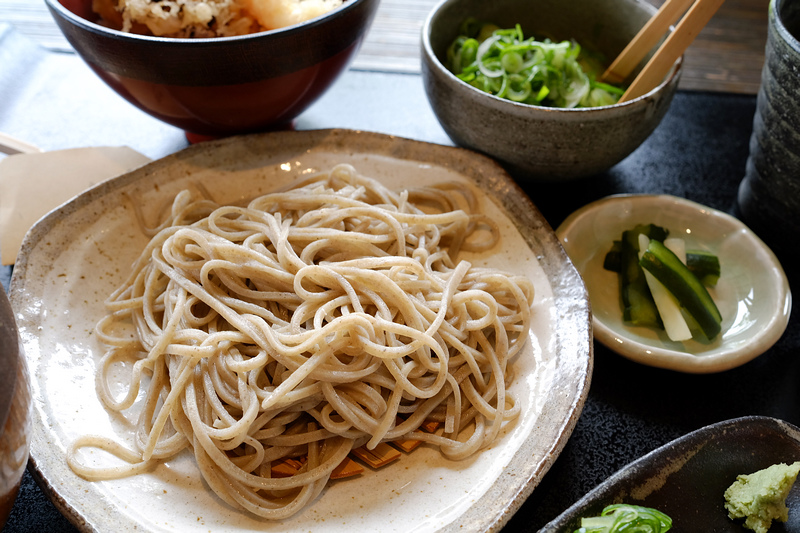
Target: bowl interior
(600, 26)
(81, 8)
(788, 14)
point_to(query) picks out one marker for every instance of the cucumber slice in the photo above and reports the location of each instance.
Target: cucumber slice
(679, 280)
(613, 259)
(667, 304)
(704, 265)
(638, 307)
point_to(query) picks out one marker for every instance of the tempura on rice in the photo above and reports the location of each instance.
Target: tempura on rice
(207, 18)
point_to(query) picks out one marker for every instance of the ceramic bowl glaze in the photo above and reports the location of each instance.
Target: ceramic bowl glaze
(15, 416)
(220, 86)
(543, 143)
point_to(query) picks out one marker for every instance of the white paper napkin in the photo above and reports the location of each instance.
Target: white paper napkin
(33, 184)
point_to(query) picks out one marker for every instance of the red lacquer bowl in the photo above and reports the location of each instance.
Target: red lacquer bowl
(226, 85)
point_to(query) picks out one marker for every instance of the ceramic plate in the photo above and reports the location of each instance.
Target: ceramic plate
(752, 293)
(686, 478)
(75, 256)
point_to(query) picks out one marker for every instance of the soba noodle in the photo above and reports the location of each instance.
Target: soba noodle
(313, 321)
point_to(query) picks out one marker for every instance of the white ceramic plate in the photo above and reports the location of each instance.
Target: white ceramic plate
(752, 294)
(73, 258)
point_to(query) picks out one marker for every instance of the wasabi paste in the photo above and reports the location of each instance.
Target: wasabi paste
(760, 497)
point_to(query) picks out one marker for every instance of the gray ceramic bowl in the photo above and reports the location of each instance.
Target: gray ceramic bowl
(543, 143)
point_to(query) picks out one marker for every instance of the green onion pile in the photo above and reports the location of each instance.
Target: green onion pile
(626, 518)
(544, 73)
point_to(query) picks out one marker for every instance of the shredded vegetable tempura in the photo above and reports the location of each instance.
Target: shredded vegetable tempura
(207, 18)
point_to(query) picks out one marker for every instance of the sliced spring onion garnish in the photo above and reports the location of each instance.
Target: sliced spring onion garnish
(626, 518)
(504, 63)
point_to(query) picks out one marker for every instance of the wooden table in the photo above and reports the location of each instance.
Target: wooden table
(727, 56)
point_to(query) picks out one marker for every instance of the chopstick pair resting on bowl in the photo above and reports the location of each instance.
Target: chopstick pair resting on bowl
(696, 14)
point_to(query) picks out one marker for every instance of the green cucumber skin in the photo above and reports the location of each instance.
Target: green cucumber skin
(613, 259)
(679, 280)
(704, 265)
(638, 306)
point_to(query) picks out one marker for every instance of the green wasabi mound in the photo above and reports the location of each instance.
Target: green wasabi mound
(760, 497)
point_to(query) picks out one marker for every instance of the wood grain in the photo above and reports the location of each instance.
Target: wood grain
(675, 46)
(647, 38)
(727, 56)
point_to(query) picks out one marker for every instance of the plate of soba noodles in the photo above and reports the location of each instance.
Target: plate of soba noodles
(294, 330)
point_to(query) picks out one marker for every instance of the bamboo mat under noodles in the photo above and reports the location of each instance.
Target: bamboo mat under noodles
(727, 56)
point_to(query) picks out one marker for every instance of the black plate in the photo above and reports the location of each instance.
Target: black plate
(686, 478)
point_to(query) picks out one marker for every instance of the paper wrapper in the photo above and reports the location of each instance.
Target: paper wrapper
(31, 185)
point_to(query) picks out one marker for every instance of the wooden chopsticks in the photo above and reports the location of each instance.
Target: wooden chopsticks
(645, 40)
(9, 145)
(695, 19)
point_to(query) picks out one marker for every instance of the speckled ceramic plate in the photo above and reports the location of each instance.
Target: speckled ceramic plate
(73, 258)
(687, 478)
(752, 294)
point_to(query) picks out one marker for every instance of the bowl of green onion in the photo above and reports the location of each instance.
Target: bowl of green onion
(520, 81)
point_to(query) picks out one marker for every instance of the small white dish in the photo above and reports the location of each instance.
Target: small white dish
(752, 294)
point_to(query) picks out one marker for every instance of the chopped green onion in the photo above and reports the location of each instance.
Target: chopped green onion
(608, 88)
(519, 88)
(626, 518)
(511, 61)
(504, 63)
